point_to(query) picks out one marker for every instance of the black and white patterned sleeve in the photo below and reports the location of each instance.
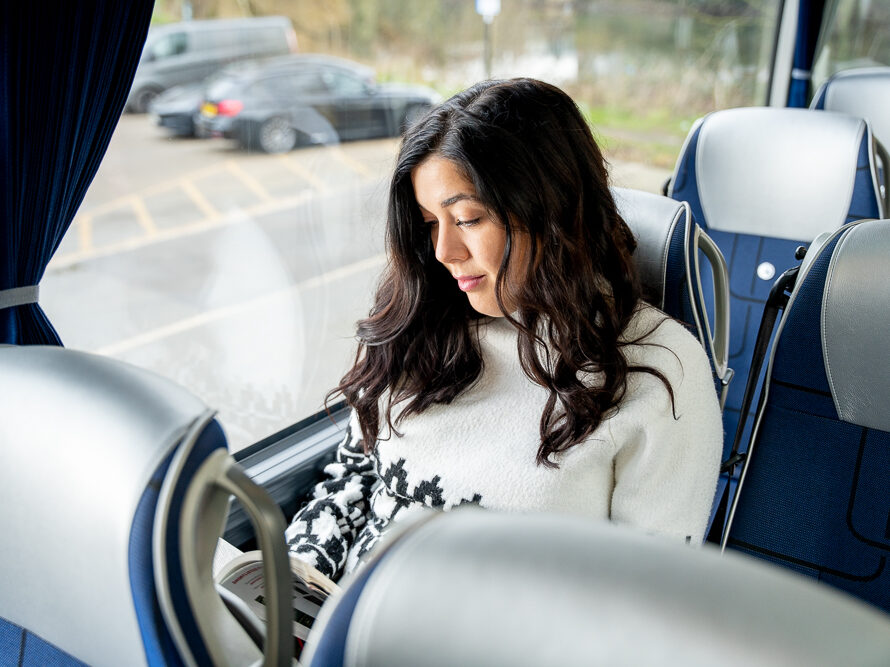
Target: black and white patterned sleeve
(322, 532)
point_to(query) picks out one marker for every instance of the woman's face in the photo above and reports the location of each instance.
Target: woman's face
(467, 240)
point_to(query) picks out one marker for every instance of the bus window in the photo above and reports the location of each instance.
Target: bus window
(237, 262)
(855, 34)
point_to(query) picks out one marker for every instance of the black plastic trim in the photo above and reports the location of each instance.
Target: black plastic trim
(288, 464)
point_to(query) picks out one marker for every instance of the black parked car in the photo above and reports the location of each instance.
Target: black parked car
(175, 109)
(307, 99)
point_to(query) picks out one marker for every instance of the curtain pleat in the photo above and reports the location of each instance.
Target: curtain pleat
(65, 71)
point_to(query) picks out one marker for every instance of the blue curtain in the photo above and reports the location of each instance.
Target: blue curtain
(809, 22)
(65, 71)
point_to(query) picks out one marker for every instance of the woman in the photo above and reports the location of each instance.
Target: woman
(508, 360)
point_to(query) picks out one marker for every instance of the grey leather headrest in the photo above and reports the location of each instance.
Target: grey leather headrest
(80, 437)
(778, 173)
(652, 219)
(862, 92)
(475, 587)
(855, 335)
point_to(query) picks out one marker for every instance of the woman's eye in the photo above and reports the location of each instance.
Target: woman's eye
(431, 222)
(468, 223)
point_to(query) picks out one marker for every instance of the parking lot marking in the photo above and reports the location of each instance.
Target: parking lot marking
(143, 217)
(198, 199)
(88, 252)
(173, 183)
(156, 189)
(359, 167)
(252, 184)
(303, 173)
(235, 309)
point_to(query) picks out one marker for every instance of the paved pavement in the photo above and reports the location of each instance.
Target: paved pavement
(239, 276)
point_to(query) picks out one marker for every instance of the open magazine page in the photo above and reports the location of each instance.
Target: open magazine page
(225, 553)
(243, 576)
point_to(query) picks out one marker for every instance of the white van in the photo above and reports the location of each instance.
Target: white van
(188, 52)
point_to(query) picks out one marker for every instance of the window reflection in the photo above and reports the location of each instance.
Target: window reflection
(858, 35)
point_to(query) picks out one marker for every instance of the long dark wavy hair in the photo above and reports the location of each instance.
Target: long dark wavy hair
(534, 163)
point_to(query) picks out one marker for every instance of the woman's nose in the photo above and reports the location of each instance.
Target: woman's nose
(448, 244)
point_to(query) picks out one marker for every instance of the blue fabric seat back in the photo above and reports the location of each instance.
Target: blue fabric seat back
(87, 443)
(762, 182)
(813, 495)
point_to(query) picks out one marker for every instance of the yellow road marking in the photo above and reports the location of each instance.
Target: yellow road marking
(174, 183)
(252, 184)
(211, 216)
(303, 173)
(198, 199)
(156, 189)
(143, 217)
(357, 166)
(202, 225)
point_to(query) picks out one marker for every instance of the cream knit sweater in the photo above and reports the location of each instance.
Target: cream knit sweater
(641, 467)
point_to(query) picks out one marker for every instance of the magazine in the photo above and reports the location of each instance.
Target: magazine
(241, 574)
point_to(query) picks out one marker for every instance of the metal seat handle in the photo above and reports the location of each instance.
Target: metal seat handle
(719, 338)
(200, 520)
(217, 478)
(884, 180)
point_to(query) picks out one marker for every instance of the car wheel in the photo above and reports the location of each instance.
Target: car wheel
(412, 115)
(276, 135)
(143, 98)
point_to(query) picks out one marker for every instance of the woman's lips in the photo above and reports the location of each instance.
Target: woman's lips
(466, 283)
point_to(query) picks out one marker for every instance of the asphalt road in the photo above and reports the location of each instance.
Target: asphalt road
(239, 276)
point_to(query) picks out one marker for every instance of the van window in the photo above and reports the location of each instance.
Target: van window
(270, 35)
(170, 45)
(220, 38)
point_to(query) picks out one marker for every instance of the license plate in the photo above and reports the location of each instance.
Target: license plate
(208, 109)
